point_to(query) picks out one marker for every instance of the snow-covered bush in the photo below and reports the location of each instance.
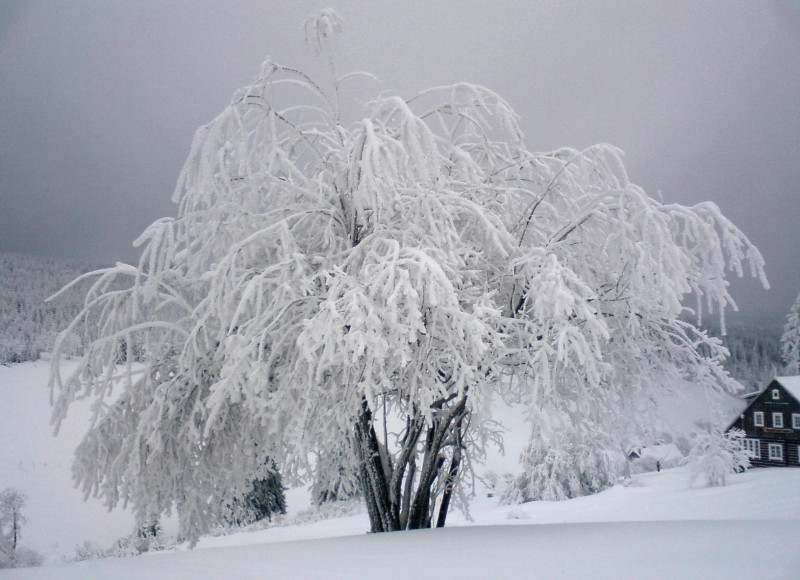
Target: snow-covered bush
(145, 538)
(566, 471)
(369, 284)
(716, 455)
(89, 550)
(22, 557)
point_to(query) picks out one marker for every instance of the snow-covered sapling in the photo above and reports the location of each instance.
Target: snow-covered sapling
(12, 554)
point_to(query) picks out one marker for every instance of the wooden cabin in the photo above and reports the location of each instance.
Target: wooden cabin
(771, 423)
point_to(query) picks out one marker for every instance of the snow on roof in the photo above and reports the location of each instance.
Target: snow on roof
(791, 384)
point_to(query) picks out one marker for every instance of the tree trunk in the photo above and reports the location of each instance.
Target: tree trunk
(400, 496)
(14, 531)
(452, 475)
(373, 477)
(419, 517)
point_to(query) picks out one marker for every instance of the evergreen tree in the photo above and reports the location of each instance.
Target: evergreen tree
(264, 499)
(790, 341)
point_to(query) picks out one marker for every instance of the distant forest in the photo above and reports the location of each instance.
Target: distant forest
(29, 325)
(755, 354)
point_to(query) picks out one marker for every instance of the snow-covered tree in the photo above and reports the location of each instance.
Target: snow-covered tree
(790, 341)
(716, 455)
(11, 518)
(12, 554)
(363, 287)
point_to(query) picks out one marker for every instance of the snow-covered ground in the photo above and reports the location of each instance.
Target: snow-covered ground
(655, 526)
(37, 463)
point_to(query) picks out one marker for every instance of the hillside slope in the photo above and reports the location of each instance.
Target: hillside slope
(58, 518)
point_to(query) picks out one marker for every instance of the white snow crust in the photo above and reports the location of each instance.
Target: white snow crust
(655, 526)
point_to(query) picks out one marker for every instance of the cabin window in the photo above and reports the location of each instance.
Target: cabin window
(776, 452)
(753, 447)
(758, 418)
(777, 420)
(776, 394)
(795, 420)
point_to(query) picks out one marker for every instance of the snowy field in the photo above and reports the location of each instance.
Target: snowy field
(655, 526)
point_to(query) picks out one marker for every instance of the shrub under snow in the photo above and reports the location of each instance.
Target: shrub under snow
(565, 472)
(716, 455)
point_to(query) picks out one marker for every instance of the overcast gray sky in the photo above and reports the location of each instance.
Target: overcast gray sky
(99, 101)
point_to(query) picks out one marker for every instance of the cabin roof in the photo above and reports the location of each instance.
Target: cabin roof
(791, 384)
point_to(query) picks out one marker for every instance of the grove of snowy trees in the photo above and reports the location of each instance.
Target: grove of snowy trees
(28, 324)
(346, 294)
(754, 350)
(790, 341)
(755, 354)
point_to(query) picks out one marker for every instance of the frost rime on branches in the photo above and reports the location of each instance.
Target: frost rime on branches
(362, 291)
